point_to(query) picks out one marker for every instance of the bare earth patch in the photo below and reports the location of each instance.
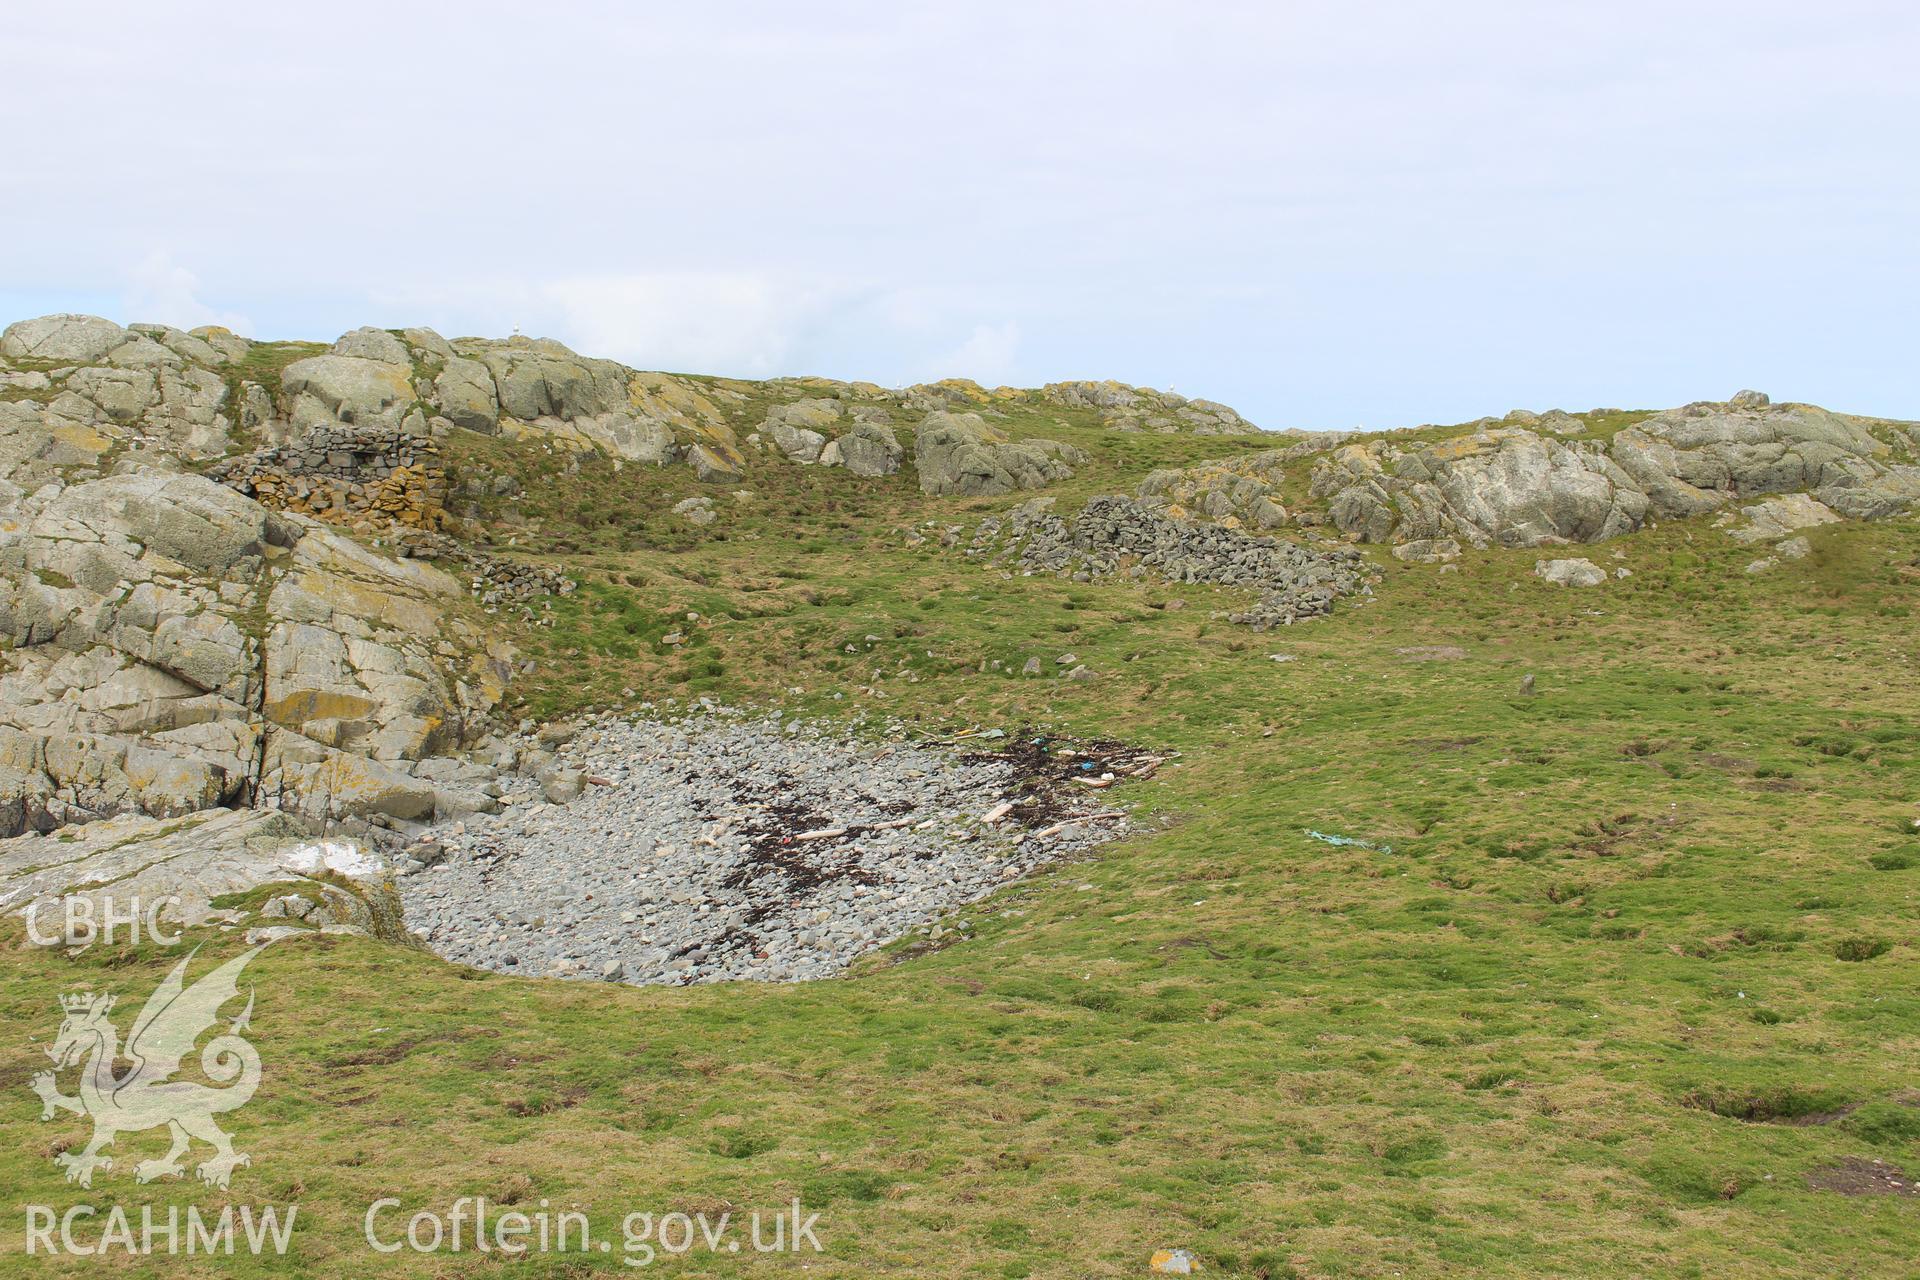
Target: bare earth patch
(1854, 1176)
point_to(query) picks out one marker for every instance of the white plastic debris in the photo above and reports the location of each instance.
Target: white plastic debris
(342, 857)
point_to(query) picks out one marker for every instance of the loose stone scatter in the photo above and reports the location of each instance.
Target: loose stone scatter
(731, 848)
(1115, 534)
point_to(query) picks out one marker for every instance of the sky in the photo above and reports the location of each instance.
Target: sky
(1327, 215)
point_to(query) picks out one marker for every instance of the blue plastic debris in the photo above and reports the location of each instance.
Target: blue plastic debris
(1344, 841)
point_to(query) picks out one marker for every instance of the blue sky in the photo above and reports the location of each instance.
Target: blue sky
(1326, 215)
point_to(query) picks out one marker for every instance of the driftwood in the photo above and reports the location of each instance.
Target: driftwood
(1058, 827)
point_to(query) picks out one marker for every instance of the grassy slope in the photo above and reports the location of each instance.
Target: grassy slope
(1611, 912)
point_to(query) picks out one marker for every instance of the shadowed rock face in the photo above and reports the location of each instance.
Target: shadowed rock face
(1514, 487)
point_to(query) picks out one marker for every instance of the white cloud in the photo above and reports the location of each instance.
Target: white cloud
(743, 323)
(987, 356)
(161, 291)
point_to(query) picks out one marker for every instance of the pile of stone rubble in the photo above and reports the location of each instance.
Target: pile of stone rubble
(1124, 535)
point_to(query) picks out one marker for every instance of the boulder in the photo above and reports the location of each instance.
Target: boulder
(960, 454)
(540, 378)
(562, 786)
(1428, 551)
(74, 339)
(351, 389)
(714, 462)
(1777, 517)
(373, 344)
(695, 510)
(223, 340)
(1570, 573)
(186, 346)
(798, 429)
(463, 394)
(869, 449)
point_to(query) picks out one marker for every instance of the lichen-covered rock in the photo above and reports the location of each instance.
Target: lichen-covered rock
(696, 510)
(78, 339)
(167, 639)
(540, 378)
(1126, 408)
(1778, 517)
(1428, 551)
(717, 461)
(1570, 573)
(960, 454)
(1505, 487)
(1239, 492)
(1697, 459)
(867, 449)
(373, 344)
(629, 438)
(1512, 486)
(799, 429)
(352, 389)
(463, 394)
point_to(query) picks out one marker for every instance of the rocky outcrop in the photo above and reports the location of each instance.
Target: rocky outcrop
(1511, 486)
(353, 390)
(70, 338)
(868, 449)
(174, 646)
(960, 454)
(83, 389)
(150, 387)
(181, 868)
(799, 429)
(540, 378)
(1779, 517)
(1238, 492)
(1126, 408)
(1505, 487)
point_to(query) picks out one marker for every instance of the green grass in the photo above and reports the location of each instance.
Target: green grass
(1642, 955)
